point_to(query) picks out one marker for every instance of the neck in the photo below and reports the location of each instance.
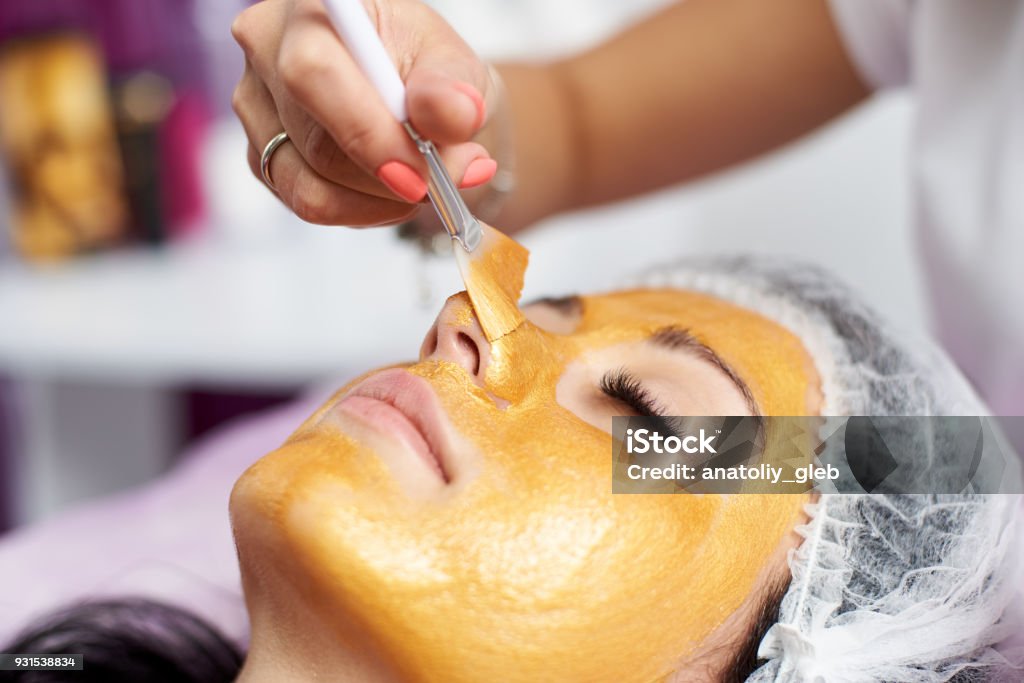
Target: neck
(292, 642)
(283, 661)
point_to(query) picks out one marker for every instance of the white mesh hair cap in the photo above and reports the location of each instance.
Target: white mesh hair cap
(885, 587)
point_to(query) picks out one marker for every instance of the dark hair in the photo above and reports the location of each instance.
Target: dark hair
(745, 661)
(127, 641)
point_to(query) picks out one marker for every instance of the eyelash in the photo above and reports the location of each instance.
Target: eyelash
(623, 387)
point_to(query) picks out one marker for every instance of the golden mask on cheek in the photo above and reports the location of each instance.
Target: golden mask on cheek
(516, 562)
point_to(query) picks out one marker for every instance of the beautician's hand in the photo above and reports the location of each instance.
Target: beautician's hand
(348, 161)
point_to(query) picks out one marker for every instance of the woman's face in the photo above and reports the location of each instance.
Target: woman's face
(455, 516)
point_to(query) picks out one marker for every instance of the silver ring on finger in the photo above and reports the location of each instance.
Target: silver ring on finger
(268, 152)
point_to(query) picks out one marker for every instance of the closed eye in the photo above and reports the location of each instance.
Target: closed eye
(619, 385)
(625, 388)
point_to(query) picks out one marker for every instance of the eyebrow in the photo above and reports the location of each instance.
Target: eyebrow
(571, 305)
(670, 337)
(678, 338)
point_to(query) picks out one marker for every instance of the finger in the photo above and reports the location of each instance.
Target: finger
(316, 201)
(468, 164)
(443, 109)
(446, 88)
(311, 196)
(322, 153)
(316, 144)
(255, 108)
(252, 156)
(258, 30)
(316, 70)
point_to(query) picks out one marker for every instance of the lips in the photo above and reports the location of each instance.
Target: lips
(403, 406)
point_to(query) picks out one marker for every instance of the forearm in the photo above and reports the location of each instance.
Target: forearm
(700, 86)
(532, 138)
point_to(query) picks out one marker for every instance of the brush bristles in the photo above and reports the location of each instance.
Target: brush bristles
(493, 275)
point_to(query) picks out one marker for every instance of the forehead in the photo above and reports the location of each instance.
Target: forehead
(646, 310)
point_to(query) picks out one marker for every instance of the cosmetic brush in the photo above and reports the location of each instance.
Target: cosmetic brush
(492, 265)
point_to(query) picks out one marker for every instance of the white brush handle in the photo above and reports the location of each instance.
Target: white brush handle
(360, 37)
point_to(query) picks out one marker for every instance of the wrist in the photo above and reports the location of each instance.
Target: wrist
(537, 104)
(498, 136)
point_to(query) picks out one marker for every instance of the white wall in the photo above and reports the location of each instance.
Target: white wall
(837, 199)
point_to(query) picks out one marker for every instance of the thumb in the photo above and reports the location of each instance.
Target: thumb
(445, 96)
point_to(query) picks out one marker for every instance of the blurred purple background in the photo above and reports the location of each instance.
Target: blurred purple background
(135, 34)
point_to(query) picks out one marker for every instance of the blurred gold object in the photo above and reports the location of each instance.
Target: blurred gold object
(58, 141)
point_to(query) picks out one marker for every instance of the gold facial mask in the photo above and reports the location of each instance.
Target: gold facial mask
(525, 567)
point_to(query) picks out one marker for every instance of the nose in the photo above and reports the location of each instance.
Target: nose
(456, 336)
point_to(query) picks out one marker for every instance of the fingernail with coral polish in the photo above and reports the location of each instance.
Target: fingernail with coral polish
(477, 99)
(402, 180)
(478, 172)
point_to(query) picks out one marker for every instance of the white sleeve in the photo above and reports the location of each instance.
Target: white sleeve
(877, 36)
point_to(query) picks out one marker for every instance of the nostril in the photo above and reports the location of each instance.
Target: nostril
(466, 342)
(430, 343)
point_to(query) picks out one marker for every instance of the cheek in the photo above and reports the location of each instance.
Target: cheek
(578, 584)
(267, 493)
(556, 450)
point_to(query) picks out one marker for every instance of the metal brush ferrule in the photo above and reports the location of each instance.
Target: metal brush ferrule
(445, 197)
